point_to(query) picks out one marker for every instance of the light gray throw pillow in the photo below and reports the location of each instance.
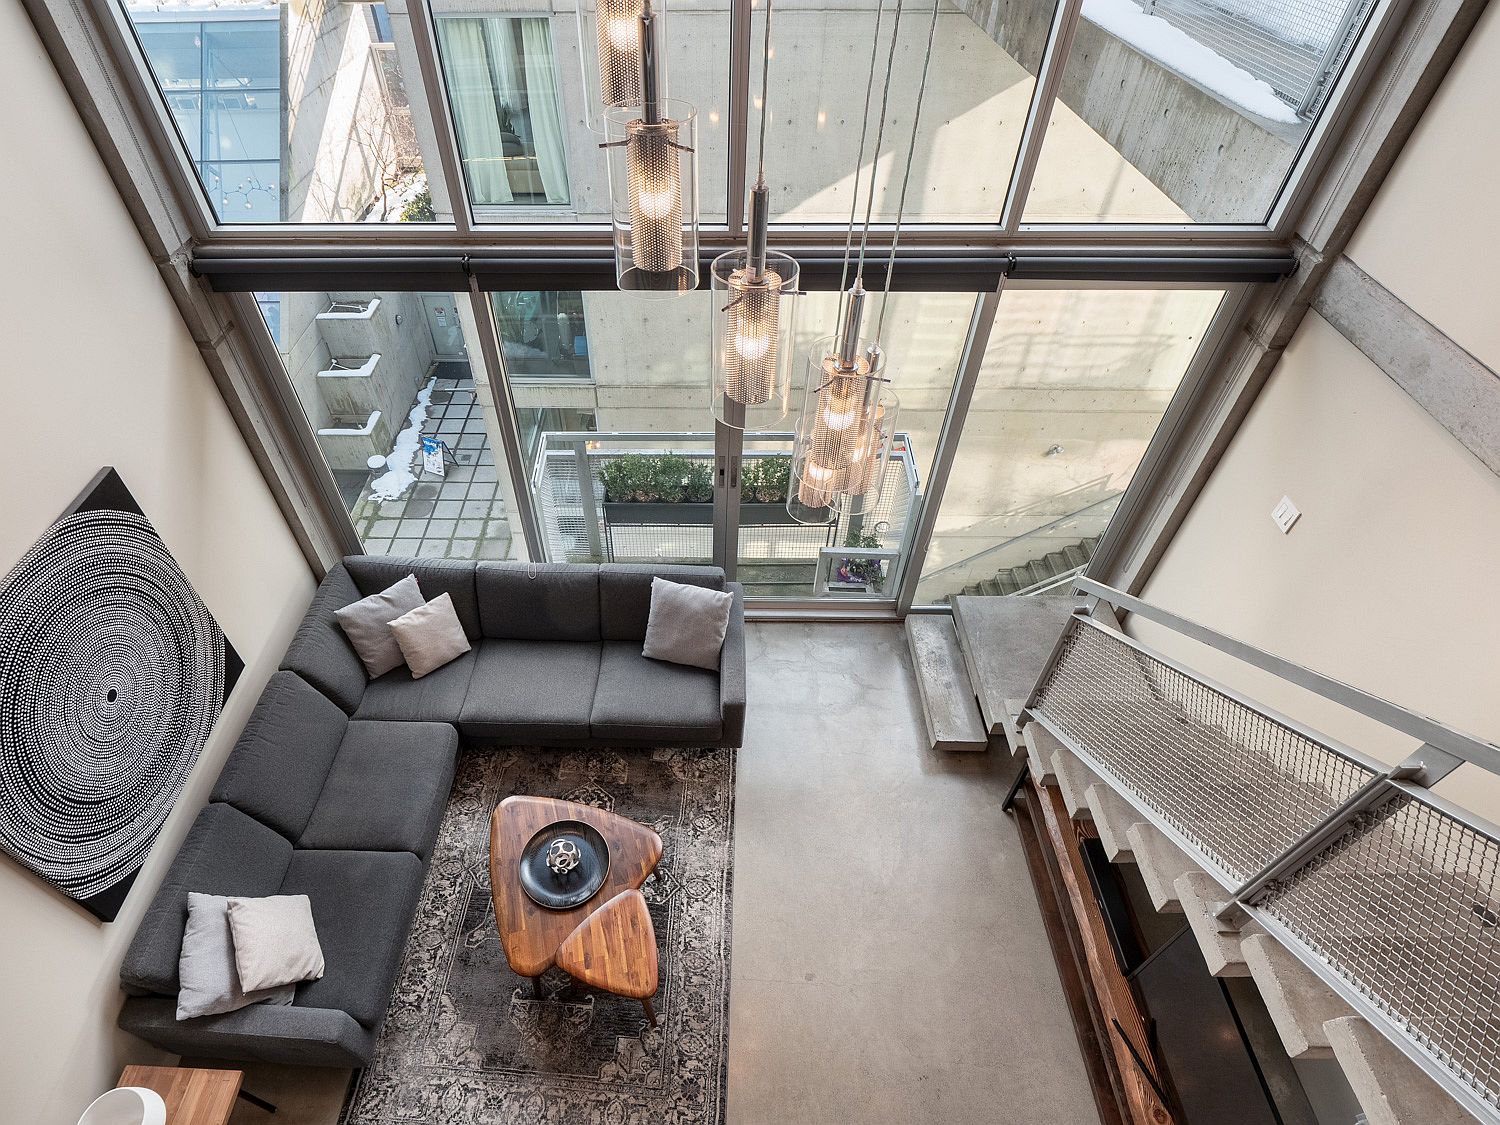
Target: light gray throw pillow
(210, 981)
(275, 941)
(687, 624)
(367, 624)
(430, 636)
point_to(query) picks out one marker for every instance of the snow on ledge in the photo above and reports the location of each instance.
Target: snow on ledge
(1178, 51)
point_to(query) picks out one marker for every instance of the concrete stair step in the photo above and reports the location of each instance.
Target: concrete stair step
(1392, 1090)
(948, 705)
(1041, 744)
(1298, 1000)
(1202, 898)
(1073, 780)
(1161, 864)
(1113, 816)
(1005, 642)
(1075, 556)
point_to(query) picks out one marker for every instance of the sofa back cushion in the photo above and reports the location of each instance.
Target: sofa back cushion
(320, 652)
(625, 594)
(454, 577)
(538, 601)
(277, 768)
(226, 853)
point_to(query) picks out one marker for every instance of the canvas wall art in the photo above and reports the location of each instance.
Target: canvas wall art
(112, 674)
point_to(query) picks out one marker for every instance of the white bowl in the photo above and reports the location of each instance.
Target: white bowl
(126, 1105)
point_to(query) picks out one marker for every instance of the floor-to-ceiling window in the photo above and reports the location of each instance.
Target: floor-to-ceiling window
(988, 130)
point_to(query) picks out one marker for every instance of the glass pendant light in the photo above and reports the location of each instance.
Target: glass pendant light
(653, 181)
(609, 50)
(846, 433)
(754, 292)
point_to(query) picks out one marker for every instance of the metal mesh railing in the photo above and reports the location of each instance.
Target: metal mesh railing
(579, 527)
(1239, 785)
(1297, 48)
(1405, 907)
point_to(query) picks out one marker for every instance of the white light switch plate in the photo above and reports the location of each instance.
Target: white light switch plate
(1285, 514)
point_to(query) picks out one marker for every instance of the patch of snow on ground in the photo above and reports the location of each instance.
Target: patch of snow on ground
(388, 209)
(1176, 50)
(399, 476)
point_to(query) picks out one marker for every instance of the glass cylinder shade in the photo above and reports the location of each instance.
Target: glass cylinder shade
(609, 50)
(752, 342)
(835, 442)
(653, 188)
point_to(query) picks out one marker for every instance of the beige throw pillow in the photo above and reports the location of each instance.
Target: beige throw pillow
(687, 624)
(209, 981)
(430, 636)
(275, 941)
(367, 624)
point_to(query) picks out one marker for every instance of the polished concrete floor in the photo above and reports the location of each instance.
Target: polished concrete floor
(889, 959)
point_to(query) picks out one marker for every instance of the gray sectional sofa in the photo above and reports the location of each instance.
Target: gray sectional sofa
(338, 784)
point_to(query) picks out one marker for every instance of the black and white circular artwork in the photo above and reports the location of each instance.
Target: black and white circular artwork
(112, 674)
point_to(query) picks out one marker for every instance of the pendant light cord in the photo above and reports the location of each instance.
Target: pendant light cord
(864, 130)
(885, 101)
(911, 153)
(765, 86)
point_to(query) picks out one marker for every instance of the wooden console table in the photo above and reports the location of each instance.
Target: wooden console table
(193, 1096)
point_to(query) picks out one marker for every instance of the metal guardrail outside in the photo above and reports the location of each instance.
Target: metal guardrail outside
(1386, 891)
(1297, 47)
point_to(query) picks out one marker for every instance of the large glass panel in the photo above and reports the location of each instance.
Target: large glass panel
(979, 87)
(295, 112)
(621, 446)
(387, 381)
(641, 434)
(517, 92)
(1074, 385)
(1188, 111)
(854, 554)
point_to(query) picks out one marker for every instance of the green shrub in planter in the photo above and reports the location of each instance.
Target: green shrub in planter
(765, 480)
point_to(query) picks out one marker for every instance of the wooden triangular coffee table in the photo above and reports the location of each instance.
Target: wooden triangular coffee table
(614, 948)
(531, 934)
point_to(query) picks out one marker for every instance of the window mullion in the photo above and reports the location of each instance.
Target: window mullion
(424, 37)
(1048, 82)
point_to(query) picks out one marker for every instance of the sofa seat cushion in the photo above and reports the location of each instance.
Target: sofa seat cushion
(277, 768)
(642, 700)
(362, 904)
(225, 853)
(527, 692)
(437, 697)
(387, 789)
(320, 652)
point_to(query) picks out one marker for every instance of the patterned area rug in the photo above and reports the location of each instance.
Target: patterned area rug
(465, 1043)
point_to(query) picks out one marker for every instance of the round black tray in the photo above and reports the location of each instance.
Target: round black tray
(563, 892)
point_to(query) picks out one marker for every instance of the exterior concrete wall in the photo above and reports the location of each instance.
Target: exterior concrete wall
(339, 145)
(1215, 162)
(125, 387)
(1371, 585)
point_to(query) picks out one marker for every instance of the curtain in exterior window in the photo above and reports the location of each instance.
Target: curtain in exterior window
(476, 116)
(546, 118)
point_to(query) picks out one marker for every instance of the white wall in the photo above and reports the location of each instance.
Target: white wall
(1384, 581)
(99, 369)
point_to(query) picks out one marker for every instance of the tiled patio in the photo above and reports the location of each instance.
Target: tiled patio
(461, 516)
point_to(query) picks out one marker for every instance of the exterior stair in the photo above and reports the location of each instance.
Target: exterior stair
(1018, 579)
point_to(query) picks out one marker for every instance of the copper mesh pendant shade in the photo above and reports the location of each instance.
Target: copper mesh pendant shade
(618, 51)
(653, 181)
(753, 314)
(835, 441)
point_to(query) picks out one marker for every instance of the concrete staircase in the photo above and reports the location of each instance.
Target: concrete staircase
(975, 670)
(1312, 1021)
(1037, 572)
